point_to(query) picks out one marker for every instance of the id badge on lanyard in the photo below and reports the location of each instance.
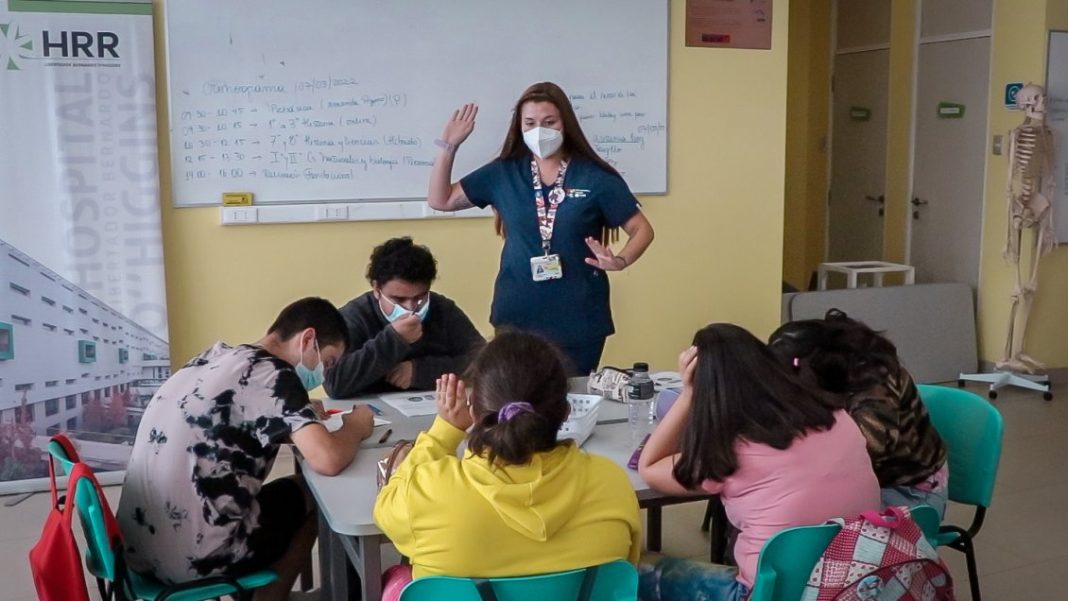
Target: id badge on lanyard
(548, 266)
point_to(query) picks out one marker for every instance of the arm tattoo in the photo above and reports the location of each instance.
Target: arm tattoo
(461, 202)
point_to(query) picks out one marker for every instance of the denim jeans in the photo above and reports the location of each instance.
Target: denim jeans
(662, 578)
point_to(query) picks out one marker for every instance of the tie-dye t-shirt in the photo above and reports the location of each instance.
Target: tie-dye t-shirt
(206, 442)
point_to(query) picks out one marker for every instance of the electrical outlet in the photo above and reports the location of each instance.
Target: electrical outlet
(331, 212)
(997, 144)
(239, 216)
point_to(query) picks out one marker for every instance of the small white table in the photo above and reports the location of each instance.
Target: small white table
(348, 535)
(853, 269)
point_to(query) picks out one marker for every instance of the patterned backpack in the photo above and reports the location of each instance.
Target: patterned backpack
(879, 557)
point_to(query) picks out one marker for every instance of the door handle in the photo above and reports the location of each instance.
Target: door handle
(879, 199)
(917, 202)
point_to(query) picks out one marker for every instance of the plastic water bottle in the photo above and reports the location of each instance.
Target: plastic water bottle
(641, 403)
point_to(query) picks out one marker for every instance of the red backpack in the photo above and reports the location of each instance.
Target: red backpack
(58, 573)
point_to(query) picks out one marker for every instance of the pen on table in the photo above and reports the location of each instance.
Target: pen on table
(333, 411)
(375, 410)
(385, 436)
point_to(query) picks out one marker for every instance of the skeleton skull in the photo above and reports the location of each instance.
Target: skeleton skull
(1031, 99)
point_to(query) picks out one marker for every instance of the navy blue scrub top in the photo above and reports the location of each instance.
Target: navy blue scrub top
(573, 310)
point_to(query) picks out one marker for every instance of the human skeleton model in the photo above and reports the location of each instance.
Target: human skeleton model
(1029, 191)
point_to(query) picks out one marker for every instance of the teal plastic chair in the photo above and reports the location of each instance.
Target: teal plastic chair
(972, 430)
(98, 556)
(787, 559)
(107, 566)
(615, 581)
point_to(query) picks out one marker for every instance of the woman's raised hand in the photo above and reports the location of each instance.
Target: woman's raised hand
(460, 125)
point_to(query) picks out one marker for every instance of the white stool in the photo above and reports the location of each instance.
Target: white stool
(853, 269)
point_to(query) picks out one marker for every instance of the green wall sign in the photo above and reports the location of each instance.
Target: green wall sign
(950, 110)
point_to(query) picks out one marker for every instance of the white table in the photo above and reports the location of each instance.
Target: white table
(349, 538)
(853, 269)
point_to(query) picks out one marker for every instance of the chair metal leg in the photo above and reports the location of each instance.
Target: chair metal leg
(973, 571)
(965, 544)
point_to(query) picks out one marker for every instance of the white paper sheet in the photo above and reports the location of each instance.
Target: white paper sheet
(333, 423)
(412, 404)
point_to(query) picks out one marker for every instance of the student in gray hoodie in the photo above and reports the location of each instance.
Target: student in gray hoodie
(402, 335)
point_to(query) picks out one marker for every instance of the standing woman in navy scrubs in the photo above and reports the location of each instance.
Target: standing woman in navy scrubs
(557, 205)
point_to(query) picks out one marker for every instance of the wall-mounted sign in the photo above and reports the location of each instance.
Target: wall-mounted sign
(950, 110)
(1010, 94)
(729, 24)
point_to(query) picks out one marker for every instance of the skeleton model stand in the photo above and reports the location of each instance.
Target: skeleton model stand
(1029, 190)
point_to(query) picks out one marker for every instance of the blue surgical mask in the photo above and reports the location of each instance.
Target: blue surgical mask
(399, 311)
(310, 378)
(421, 313)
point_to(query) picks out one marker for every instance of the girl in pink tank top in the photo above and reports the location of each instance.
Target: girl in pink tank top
(779, 452)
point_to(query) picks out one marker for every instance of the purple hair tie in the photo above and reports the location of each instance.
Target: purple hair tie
(513, 409)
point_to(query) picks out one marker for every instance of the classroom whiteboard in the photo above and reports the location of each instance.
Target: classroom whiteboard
(1057, 120)
(341, 100)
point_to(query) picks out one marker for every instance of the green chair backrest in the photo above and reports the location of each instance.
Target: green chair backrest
(972, 430)
(99, 557)
(787, 559)
(615, 581)
(929, 522)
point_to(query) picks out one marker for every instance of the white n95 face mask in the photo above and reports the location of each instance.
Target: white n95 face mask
(543, 141)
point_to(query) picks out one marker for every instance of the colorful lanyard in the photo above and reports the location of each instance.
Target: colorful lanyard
(547, 215)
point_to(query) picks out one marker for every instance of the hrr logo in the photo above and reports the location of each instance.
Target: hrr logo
(80, 44)
(14, 45)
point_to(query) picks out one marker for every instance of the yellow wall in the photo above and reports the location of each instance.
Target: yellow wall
(1019, 54)
(807, 129)
(717, 256)
(903, 14)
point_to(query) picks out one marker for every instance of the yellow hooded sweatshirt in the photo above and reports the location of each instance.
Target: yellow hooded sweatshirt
(565, 509)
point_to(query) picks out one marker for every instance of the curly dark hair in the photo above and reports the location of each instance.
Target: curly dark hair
(844, 354)
(400, 258)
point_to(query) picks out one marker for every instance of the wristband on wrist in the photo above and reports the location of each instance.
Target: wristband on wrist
(446, 145)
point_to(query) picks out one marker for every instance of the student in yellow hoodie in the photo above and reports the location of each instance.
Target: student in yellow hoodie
(519, 502)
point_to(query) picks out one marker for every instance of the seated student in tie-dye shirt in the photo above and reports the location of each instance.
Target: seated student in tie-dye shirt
(194, 503)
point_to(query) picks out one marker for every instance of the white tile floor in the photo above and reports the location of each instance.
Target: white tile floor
(1021, 547)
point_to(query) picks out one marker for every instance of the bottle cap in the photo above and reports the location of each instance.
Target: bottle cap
(641, 367)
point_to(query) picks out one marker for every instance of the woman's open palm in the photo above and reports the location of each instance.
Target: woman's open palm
(460, 125)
